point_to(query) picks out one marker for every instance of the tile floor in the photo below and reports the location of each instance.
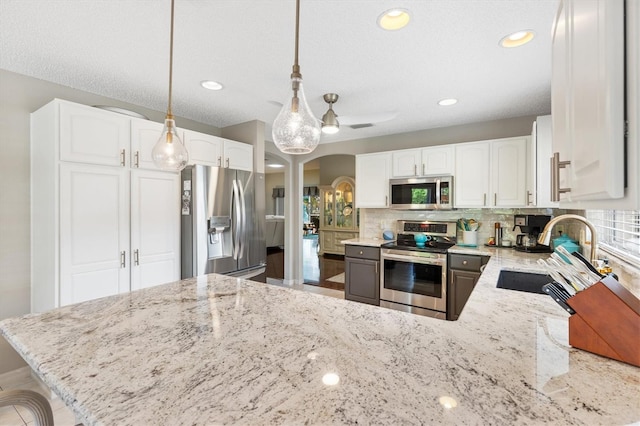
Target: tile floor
(19, 416)
(22, 379)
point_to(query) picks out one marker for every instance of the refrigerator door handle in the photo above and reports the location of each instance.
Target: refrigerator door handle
(243, 219)
(236, 217)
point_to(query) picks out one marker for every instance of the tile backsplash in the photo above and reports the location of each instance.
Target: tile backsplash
(374, 221)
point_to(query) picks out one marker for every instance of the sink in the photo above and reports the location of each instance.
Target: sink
(522, 281)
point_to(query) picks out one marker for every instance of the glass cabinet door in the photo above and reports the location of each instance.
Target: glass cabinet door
(327, 204)
(344, 205)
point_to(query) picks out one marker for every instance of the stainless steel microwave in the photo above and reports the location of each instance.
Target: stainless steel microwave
(422, 193)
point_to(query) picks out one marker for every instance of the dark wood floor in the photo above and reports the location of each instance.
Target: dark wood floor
(317, 269)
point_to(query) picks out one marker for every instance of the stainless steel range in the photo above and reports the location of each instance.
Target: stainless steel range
(414, 276)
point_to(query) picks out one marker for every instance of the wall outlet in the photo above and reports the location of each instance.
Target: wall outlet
(560, 229)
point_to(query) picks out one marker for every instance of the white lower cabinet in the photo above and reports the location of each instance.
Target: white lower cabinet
(492, 173)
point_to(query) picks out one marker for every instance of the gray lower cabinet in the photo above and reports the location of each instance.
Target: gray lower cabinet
(464, 272)
(362, 274)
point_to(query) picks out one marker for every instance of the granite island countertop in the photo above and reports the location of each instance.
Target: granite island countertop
(222, 350)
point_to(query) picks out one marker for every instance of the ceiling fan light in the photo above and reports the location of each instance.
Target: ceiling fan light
(394, 19)
(330, 123)
(518, 38)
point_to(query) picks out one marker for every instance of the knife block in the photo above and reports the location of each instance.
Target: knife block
(607, 321)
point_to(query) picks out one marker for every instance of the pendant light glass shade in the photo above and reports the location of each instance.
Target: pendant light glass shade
(169, 153)
(296, 130)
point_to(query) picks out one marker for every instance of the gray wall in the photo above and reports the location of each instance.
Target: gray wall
(19, 96)
(334, 166)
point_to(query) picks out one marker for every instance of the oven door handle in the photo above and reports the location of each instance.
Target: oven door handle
(414, 259)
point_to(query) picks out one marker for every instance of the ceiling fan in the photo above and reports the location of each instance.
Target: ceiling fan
(331, 124)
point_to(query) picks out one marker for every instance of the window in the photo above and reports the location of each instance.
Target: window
(618, 232)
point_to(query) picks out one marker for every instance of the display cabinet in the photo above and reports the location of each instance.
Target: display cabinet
(339, 218)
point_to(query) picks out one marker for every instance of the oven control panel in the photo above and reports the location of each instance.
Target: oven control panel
(442, 228)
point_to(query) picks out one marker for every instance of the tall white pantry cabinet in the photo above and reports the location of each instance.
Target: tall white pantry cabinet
(103, 220)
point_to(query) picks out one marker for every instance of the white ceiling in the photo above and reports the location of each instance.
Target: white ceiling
(119, 49)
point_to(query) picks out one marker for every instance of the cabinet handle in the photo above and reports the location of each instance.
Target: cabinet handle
(136, 159)
(464, 262)
(556, 165)
(495, 198)
(415, 169)
(136, 259)
(423, 172)
(386, 200)
(227, 163)
(123, 259)
(219, 161)
(529, 203)
(482, 268)
(376, 268)
(122, 157)
(361, 253)
(484, 199)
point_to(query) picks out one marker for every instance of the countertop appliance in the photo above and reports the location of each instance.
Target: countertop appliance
(530, 225)
(222, 223)
(414, 279)
(422, 193)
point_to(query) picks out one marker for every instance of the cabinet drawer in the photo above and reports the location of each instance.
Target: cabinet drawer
(466, 262)
(361, 252)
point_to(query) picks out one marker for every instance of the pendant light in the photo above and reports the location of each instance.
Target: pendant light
(169, 153)
(296, 130)
(330, 123)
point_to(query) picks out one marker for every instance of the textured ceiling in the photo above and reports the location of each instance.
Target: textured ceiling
(119, 49)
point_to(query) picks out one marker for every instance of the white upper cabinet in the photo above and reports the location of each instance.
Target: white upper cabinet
(92, 136)
(540, 163)
(144, 135)
(438, 160)
(406, 163)
(372, 180)
(430, 161)
(472, 177)
(491, 173)
(238, 155)
(588, 102)
(203, 149)
(509, 172)
(215, 151)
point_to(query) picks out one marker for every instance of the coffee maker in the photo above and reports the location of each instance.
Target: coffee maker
(531, 226)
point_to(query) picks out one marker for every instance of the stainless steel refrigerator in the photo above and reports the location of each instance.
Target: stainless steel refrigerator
(223, 219)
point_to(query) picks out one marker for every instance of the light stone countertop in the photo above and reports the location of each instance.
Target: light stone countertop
(219, 350)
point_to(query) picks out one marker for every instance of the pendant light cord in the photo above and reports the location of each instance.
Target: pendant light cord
(296, 67)
(169, 112)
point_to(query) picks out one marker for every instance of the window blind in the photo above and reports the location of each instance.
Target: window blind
(618, 232)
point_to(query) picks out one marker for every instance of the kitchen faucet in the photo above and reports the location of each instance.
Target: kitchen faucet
(545, 235)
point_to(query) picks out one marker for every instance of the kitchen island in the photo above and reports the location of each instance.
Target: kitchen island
(220, 350)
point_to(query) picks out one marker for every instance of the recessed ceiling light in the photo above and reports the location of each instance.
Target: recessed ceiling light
(394, 19)
(517, 39)
(211, 85)
(448, 102)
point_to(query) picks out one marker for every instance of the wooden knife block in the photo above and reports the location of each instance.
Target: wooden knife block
(607, 321)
